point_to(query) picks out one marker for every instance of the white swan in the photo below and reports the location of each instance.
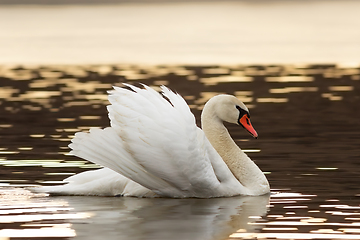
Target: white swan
(154, 148)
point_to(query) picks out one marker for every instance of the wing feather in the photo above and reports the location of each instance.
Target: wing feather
(154, 141)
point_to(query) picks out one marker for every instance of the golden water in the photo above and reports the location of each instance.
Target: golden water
(307, 117)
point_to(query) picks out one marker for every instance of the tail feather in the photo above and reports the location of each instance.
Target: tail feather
(100, 182)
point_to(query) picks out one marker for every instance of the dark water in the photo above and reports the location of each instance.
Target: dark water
(307, 117)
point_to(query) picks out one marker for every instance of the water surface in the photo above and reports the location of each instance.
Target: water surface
(308, 123)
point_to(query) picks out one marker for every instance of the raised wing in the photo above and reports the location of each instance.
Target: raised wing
(155, 142)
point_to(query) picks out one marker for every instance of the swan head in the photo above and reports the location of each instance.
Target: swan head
(230, 109)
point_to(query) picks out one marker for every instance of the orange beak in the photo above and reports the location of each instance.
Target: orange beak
(245, 122)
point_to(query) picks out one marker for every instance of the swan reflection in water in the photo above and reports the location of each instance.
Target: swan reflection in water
(162, 218)
(127, 217)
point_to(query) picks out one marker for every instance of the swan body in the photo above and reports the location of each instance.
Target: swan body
(154, 149)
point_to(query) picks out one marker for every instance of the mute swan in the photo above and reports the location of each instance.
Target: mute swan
(154, 149)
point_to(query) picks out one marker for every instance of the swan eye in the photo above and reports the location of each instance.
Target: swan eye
(242, 111)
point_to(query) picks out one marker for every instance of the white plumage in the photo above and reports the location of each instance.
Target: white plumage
(154, 148)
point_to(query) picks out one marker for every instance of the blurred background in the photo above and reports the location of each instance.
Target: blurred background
(294, 63)
(180, 32)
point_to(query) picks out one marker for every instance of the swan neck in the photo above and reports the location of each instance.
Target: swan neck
(217, 133)
(242, 167)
